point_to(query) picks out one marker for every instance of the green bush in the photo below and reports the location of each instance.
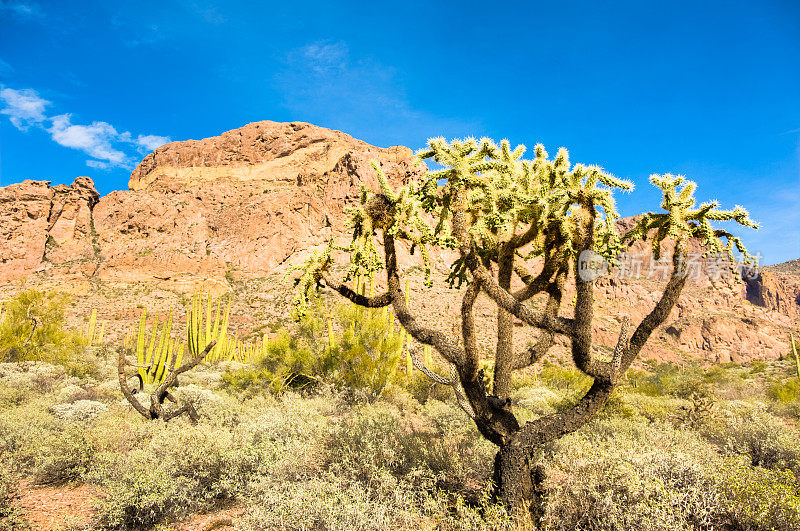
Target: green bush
(557, 377)
(760, 499)
(624, 474)
(33, 329)
(10, 517)
(375, 440)
(683, 381)
(65, 457)
(22, 430)
(340, 503)
(362, 355)
(178, 472)
(786, 391)
(766, 440)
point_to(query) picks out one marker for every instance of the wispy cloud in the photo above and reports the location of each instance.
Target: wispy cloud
(5, 68)
(23, 107)
(149, 143)
(323, 83)
(21, 9)
(95, 140)
(107, 147)
(207, 11)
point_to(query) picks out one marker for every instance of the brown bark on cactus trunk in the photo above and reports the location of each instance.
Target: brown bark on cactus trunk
(519, 484)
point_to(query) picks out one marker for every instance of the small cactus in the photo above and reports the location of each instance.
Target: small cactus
(698, 409)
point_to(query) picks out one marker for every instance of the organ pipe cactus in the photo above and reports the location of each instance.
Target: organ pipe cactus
(94, 335)
(504, 216)
(203, 328)
(158, 365)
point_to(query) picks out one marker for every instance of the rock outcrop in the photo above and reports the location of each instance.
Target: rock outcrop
(42, 225)
(237, 205)
(777, 287)
(283, 154)
(199, 213)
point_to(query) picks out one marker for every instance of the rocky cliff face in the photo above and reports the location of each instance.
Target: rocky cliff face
(42, 225)
(212, 213)
(777, 287)
(199, 213)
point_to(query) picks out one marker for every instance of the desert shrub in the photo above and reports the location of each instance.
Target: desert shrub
(284, 442)
(156, 472)
(10, 517)
(339, 503)
(33, 329)
(750, 431)
(448, 418)
(758, 366)
(563, 378)
(786, 391)
(179, 471)
(367, 353)
(375, 440)
(760, 499)
(683, 381)
(64, 457)
(625, 475)
(353, 348)
(532, 400)
(22, 429)
(423, 388)
(618, 474)
(32, 377)
(651, 408)
(12, 396)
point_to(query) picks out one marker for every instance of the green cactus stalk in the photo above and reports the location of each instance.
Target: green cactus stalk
(164, 362)
(164, 346)
(89, 337)
(794, 351)
(179, 357)
(215, 330)
(206, 324)
(140, 342)
(102, 333)
(209, 306)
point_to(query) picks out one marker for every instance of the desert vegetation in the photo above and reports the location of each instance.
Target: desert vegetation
(676, 447)
(358, 414)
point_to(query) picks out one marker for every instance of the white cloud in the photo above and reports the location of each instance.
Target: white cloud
(23, 107)
(108, 147)
(94, 140)
(149, 143)
(322, 57)
(98, 165)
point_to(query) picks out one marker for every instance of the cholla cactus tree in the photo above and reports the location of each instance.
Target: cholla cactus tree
(500, 212)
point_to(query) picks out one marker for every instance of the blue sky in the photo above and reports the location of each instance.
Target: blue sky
(707, 89)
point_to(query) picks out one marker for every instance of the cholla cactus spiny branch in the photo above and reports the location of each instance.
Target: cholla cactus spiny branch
(682, 220)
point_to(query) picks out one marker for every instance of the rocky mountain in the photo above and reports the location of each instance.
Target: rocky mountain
(197, 212)
(232, 211)
(777, 287)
